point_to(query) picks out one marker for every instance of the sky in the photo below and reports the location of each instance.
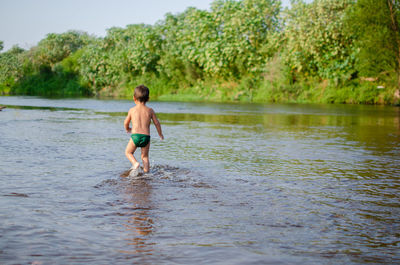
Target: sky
(26, 22)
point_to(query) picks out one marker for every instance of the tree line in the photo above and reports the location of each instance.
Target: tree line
(336, 51)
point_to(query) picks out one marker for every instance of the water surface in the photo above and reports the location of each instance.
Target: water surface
(231, 184)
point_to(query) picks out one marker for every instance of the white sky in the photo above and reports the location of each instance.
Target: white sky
(26, 22)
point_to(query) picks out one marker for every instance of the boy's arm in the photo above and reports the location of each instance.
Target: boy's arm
(157, 124)
(126, 123)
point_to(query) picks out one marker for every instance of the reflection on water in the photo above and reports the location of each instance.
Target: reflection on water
(231, 184)
(139, 225)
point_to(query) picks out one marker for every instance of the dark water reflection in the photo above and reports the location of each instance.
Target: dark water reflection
(140, 223)
(231, 184)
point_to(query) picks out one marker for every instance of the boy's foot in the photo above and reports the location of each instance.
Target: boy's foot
(135, 166)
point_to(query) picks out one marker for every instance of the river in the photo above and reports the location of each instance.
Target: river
(230, 184)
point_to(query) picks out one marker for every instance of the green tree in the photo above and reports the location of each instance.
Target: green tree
(142, 48)
(316, 39)
(1, 45)
(177, 61)
(93, 65)
(55, 47)
(375, 25)
(11, 66)
(122, 55)
(244, 28)
(227, 42)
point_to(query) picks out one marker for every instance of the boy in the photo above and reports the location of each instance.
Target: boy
(140, 116)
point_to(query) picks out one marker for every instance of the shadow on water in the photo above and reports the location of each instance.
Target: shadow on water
(15, 194)
(43, 108)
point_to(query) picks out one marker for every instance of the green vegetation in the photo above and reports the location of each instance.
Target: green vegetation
(332, 51)
(379, 43)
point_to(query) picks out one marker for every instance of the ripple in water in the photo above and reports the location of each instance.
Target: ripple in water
(232, 184)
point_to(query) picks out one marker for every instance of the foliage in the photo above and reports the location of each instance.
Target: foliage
(141, 49)
(50, 84)
(40, 71)
(95, 67)
(375, 26)
(224, 43)
(123, 53)
(238, 50)
(55, 47)
(10, 68)
(316, 40)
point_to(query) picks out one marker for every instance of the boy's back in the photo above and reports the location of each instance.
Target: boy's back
(140, 117)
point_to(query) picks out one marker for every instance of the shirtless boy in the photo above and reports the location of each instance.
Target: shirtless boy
(140, 116)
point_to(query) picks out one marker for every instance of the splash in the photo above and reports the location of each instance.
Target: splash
(135, 173)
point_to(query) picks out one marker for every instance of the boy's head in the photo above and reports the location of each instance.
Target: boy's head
(141, 94)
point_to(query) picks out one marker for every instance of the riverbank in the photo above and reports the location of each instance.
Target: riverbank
(257, 90)
(369, 94)
(266, 91)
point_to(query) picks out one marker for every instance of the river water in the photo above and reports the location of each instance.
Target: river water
(230, 184)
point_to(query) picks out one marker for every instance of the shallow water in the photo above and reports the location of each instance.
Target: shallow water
(231, 184)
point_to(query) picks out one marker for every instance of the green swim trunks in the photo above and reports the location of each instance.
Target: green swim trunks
(140, 140)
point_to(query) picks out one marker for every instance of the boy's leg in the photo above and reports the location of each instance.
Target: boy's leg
(145, 157)
(130, 149)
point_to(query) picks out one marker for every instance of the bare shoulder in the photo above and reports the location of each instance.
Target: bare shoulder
(150, 110)
(131, 110)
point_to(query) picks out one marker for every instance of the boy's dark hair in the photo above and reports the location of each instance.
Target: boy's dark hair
(141, 93)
